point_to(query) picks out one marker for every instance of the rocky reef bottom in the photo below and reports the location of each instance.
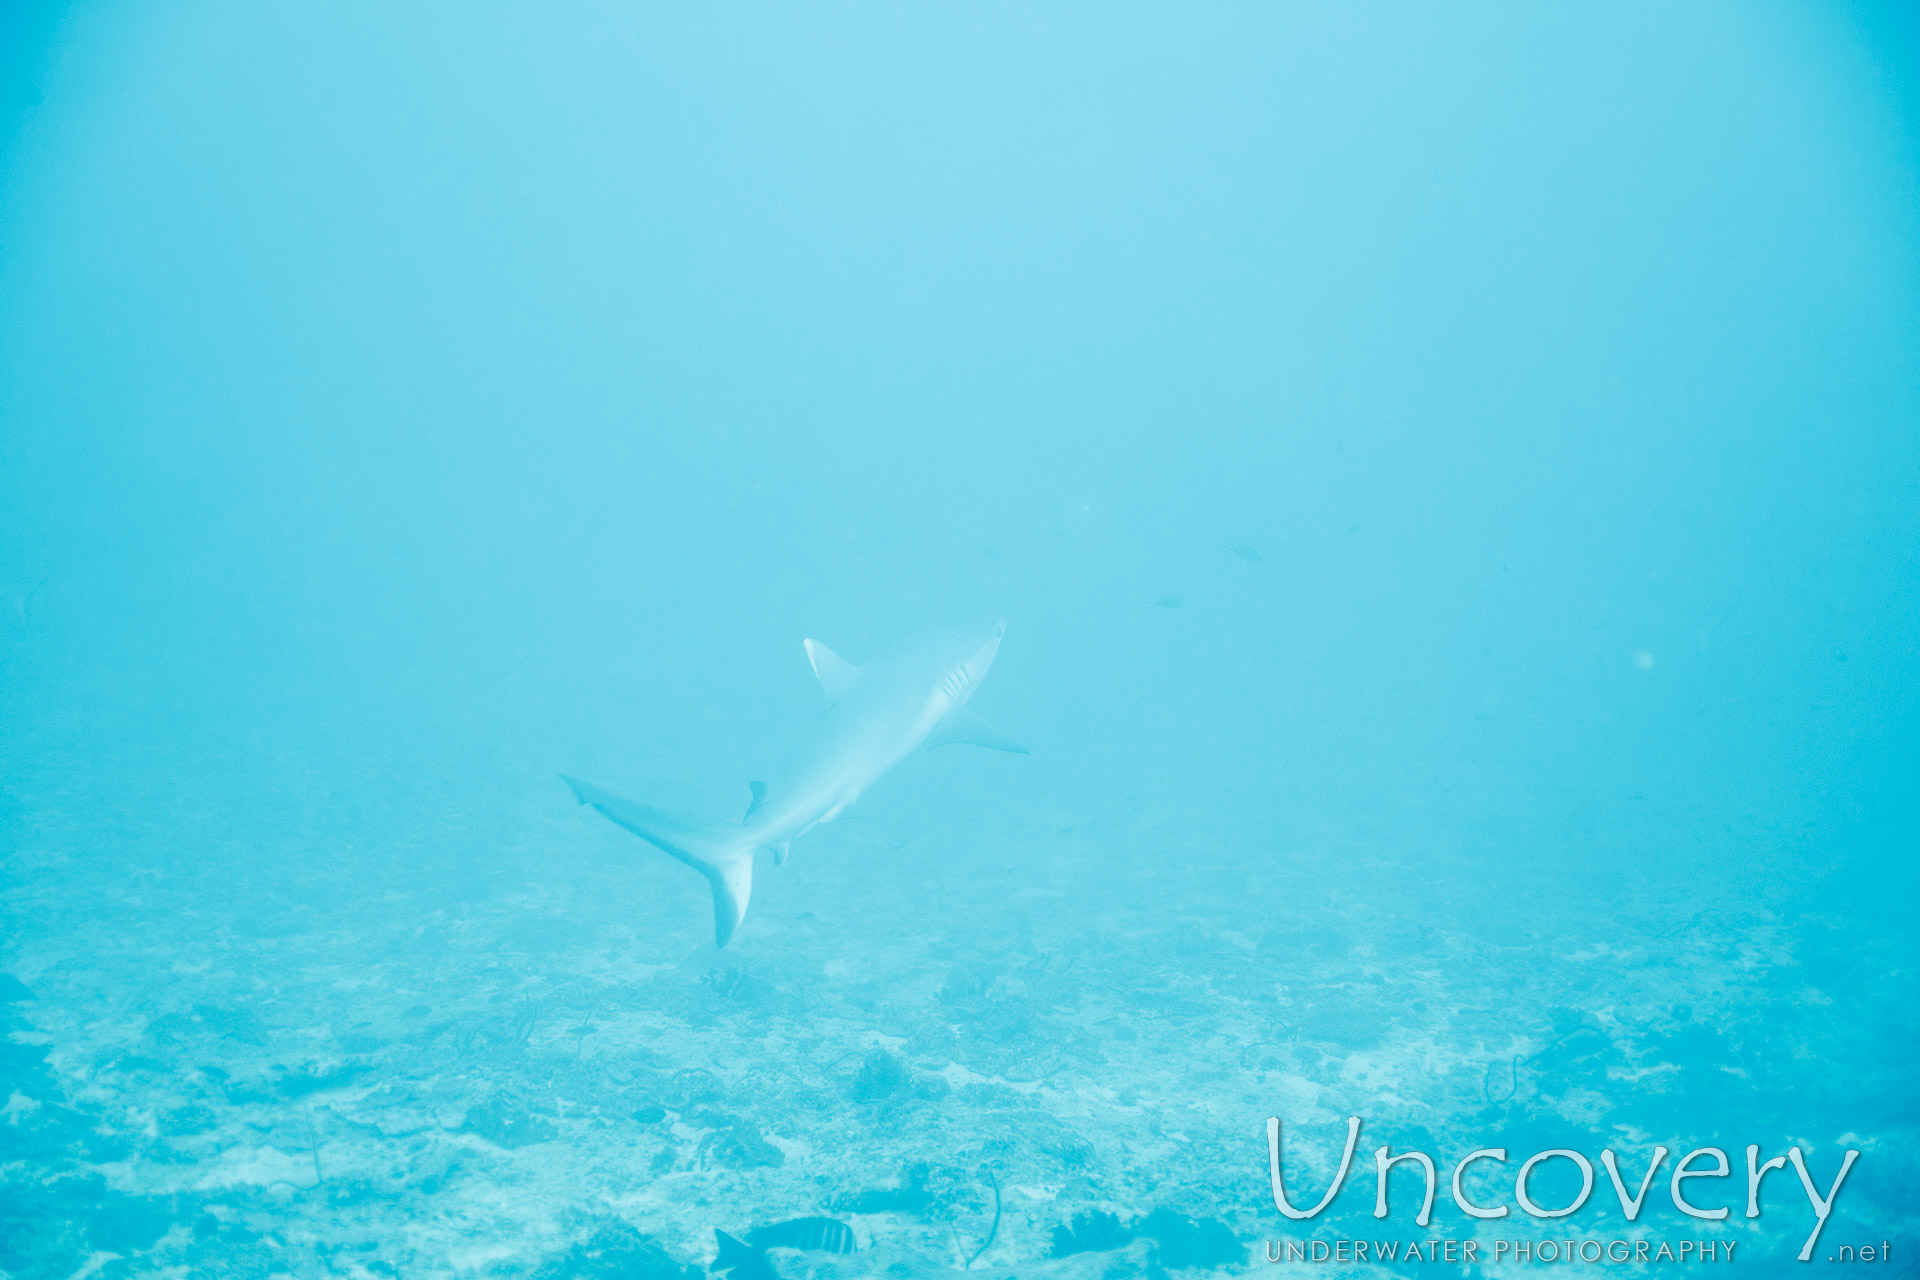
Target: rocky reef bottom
(995, 1060)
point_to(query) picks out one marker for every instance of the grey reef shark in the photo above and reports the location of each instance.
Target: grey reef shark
(879, 715)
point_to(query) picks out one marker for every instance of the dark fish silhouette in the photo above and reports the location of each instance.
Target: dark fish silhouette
(1244, 551)
(741, 1261)
(747, 1260)
(1167, 602)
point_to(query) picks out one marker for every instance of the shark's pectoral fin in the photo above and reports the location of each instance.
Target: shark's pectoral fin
(962, 725)
(759, 793)
(780, 852)
(835, 672)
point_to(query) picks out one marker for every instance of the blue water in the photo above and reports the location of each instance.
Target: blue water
(1449, 479)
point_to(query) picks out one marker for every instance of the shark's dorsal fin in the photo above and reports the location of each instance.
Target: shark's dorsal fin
(759, 791)
(962, 725)
(835, 672)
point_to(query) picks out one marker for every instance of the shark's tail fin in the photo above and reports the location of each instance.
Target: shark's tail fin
(720, 851)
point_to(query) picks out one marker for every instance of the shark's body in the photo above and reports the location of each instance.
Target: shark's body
(880, 714)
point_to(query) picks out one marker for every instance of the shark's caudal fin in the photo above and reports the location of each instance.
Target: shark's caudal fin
(717, 850)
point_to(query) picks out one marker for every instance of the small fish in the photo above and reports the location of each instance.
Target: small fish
(1244, 551)
(824, 1234)
(747, 1260)
(1167, 602)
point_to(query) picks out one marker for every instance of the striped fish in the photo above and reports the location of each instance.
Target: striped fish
(823, 1234)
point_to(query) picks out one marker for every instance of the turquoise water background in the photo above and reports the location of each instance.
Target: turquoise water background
(1449, 478)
